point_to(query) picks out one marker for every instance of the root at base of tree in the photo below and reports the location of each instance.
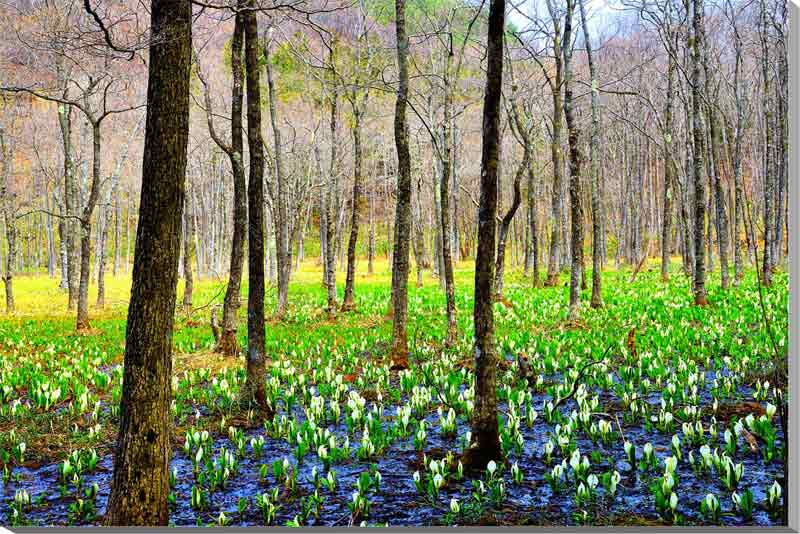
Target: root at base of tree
(398, 359)
(481, 451)
(226, 343)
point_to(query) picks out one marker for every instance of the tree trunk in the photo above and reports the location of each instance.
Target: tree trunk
(83, 285)
(103, 223)
(485, 444)
(254, 389)
(70, 201)
(7, 198)
(188, 287)
(594, 154)
(456, 248)
(323, 214)
(575, 162)
(330, 237)
(117, 230)
(230, 307)
(63, 235)
(283, 244)
(738, 220)
(371, 244)
(438, 260)
(685, 190)
(700, 298)
(782, 134)
(444, 198)
(720, 225)
(104, 218)
(11, 257)
(50, 234)
(769, 192)
(719, 199)
(140, 483)
(418, 231)
(402, 232)
(533, 231)
(86, 231)
(349, 287)
(505, 223)
(557, 157)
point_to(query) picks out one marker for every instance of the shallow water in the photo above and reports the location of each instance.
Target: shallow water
(398, 503)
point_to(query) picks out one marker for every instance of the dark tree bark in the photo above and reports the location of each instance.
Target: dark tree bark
(227, 343)
(521, 133)
(444, 195)
(594, 154)
(505, 225)
(700, 298)
(738, 220)
(769, 189)
(485, 444)
(141, 466)
(575, 163)
(282, 237)
(254, 389)
(330, 205)
(555, 151)
(402, 229)
(188, 287)
(352, 242)
(780, 25)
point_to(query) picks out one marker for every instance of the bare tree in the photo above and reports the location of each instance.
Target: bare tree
(402, 228)
(485, 444)
(698, 132)
(254, 389)
(8, 210)
(140, 484)
(357, 94)
(227, 343)
(594, 178)
(769, 149)
(575, 163)
(282, 232)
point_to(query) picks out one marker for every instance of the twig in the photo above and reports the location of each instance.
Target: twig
(577, 381)
(207, 304)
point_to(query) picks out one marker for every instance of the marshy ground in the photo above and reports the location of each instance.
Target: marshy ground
(668, 399)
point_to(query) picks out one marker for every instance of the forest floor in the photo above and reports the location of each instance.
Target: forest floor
(668, 399)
